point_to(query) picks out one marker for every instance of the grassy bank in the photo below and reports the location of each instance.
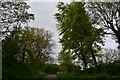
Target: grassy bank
(98, 76)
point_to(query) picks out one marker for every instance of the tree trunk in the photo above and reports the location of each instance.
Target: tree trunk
(83, 59)
(94, 59)
(23, 56)
(93, 55)
(117, 34)
(84, 62)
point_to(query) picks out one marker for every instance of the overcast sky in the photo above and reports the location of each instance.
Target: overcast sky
(44, 18)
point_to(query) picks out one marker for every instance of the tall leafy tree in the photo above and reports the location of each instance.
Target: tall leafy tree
(36, 45)
(107, 16)
(77, 32)
(13, 14)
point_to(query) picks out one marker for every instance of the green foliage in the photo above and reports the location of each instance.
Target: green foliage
(65, 57)
(109, 61)
(68, 67)
(11, 57)
(52, 68)
(25, 50)
(101, 68)
(37, 44)
(33, 45)
(20, 70)
(113, 68)
(99, 76)
(76, 69)
(8, 53)
(78, 34)
(103, 76)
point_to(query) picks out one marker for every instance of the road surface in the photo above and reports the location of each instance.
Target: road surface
(51, 77)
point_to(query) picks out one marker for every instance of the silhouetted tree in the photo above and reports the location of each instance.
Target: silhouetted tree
(107, 16)
(13, 14)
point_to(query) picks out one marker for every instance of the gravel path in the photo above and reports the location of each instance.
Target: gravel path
(51, 77)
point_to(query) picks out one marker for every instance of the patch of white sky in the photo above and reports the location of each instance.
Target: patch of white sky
(44, 18)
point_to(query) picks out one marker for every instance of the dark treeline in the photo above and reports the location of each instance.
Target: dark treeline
(26, 50)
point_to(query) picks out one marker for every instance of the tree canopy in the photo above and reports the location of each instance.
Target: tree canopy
(37, 43)
(107, 16)
(13, 14)
(78, 34)
(29, 45)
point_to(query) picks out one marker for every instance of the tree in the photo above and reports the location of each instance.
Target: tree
(108, 56)
(77, 32)
(36, 45)
(65, 57)
(109, 61)
(107, 16)
(66, 61)
(9, 53)
(13, 14)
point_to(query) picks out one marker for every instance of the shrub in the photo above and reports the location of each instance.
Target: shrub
(113, 68)
(101, 76)
(21, 70)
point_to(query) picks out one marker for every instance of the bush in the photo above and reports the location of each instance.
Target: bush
(113, 68)
(52, 68)
(21, 70)
(101, 68)
(101, 76)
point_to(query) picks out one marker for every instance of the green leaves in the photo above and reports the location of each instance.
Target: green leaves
(78, 34)
(65, 57)
(38, 43)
